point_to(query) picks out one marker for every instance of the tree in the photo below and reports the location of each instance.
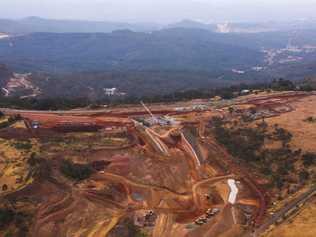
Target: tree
(76, 171)
(226, 94)
(6, 217)
(279, 182)
(303, 176)
(309, 159)
(306, 87)
(282, 85)
(283, 135)
(282, 170)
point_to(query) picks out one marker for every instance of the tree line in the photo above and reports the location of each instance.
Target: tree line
(71, 103)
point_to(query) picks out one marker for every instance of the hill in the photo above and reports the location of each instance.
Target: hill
(175, 59)
(174, 49)
(5, 75)
(37, 24)
(34, 24)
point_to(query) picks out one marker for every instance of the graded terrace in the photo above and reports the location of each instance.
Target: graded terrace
(199, 168)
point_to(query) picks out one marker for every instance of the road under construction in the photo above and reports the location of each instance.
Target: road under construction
(173, 176)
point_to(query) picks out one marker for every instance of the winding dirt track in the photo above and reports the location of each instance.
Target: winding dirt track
(206, 181)
(70, 199)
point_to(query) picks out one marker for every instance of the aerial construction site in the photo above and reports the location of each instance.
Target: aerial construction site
(161, 170)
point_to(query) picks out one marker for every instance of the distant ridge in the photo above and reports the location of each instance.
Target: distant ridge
(169, 49)
(35, 24)
(192, 24)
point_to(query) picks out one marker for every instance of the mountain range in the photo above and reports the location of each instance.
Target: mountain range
(172, 49)
(73, 56)
(37, 24)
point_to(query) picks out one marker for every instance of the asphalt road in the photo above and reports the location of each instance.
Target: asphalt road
(281, 213)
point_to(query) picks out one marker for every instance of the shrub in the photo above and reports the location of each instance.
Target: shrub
(76, 171)
(6, 217)
(303, 176)
(283, 135)
(23, 145)
(309, 159)
(282, 85)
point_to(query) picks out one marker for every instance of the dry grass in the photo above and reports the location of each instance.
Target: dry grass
(302, 225)
(14, 168)
(304, 133)
(19, 124)
(3, 119)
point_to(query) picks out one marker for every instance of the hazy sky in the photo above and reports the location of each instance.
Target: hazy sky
(161, 10)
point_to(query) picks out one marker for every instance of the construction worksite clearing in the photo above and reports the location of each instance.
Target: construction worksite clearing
(159, 170)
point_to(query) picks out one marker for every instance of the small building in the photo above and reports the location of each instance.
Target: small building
(245, 92)
(110, 91)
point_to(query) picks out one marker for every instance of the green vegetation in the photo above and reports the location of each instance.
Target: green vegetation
(171, 94)
(172, 49)
(11, 120)
(303, 175)
(309, 159)
(249, 144)
(43, 103)
(241, 142)
(6, 217)
(283, 85)
(19, 219)
(280, 134)
(22, 145)
(68, 103)
(76, 171)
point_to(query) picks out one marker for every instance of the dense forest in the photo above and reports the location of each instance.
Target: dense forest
(57, 103)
